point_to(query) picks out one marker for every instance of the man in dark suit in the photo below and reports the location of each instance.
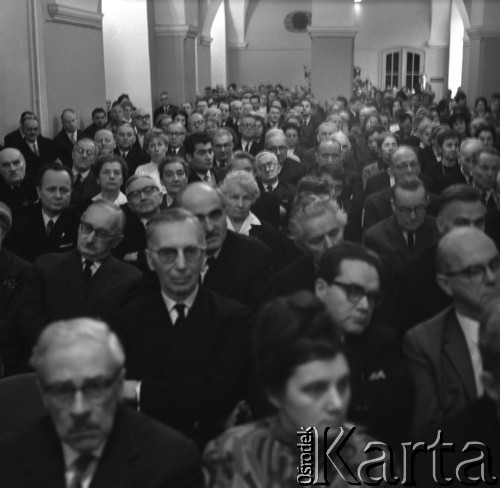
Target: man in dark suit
(308, 125)
(85, 185)
(413, 294)
(492, 227)
(484, 167)
(290, 171)
(324, 133)
(67, 137)
(16, 189)
(403, 164)
(99, 121)
(52, 226)
(237, 266)
(348, 282)
(409, 232)
(87, 281)
(127, 148)
(16, 137)
(143, 203)
(199, 155)
(246, 128)
(88, 438)
(442, 353)
(176, 133)
(222, 144)
(36, 149)
(187, 348)
(236, 107)
(165, 107)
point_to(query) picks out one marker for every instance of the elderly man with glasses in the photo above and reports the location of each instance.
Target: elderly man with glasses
(187, 347)
(87, 281)
(88, 438)
(442, 353)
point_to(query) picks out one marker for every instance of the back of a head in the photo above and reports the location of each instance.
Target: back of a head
(291, 331)
(458, 193)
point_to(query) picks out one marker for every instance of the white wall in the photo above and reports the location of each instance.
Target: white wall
(126, 51)
(218, 52)
(456, 50)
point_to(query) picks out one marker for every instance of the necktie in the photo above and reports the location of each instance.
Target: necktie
(73, 137)
(50, 226)
(206, 178)
(269, 188)
(35, 149)
(87, 271)
(181, 318)
(247, 147)
(78, 181)
(81, 465)
(485, 199)
(411, 241)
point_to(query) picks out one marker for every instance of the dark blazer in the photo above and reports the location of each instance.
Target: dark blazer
(441, 367)
(191, 376)
(378, 207)
(240, 270)
(387, 240)
(298, 275)
(308, 132)
(277, 203)
(291, 172)
(47, 151)
(381, 397)
(377, 183)
(64, 146)
(55, 290)
(413, 294)
(28, 238)
(270, 236)
(217, 174)
(90, 131)
(169, 110)
(267, 207)
(181, 152)
(20, 200)
(134, 158)
(255, 148)
(13, 139)
(492, 227)
(308, 159)
(82, 195)
(139, 453)
(440, 177)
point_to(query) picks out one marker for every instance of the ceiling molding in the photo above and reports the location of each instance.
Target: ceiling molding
(74, 16)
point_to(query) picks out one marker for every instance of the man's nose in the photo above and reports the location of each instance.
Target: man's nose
(335, 401)
(80, 405)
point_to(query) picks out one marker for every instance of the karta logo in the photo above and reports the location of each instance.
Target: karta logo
(475, 464)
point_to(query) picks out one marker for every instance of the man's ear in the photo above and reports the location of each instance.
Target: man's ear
(38, 192)
(393, 205)
(320, 287)
(274, 398)
(444, 283)
(149, 259)
(189, 157)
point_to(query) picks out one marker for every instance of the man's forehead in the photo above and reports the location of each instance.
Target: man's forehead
(170, 234)
(139, 184)
(85, 145)
(201, 202)
(203, 147)
(52, 177)
(9, 155)
(409, 196)
(489, 159)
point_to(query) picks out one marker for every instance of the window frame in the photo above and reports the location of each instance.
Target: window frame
(402, 66)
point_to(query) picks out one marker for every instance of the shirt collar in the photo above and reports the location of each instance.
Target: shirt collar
(188, 302)
(83, 175)
(246, 225)
(46, 218)
(469, 327)
(70, 455)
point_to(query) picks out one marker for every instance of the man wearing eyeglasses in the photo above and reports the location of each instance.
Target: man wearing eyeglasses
(409, 232)
(222, 143)
(142, 123)
(85, 185)
(176, 133)
(143, 203)
(87, 437)
(246, 127)
(290, 171)
(348, 281)
(186, 346)
(87, 281)
(442, 353)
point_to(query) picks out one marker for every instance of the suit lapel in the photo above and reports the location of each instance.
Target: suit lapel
(116, 464)
(72, 270)
(396, 238)
(455, 347)
(102, 280)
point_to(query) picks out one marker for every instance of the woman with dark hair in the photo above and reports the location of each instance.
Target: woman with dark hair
(302, 366)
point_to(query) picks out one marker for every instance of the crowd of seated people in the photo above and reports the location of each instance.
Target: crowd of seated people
(263, 263)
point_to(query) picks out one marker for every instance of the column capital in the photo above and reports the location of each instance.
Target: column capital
(74, 16)
(185, 31)
(482, 32)
(237, 46)
(205, 40)
(329, 31)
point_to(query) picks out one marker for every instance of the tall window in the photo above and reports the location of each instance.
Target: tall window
(402, 67)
